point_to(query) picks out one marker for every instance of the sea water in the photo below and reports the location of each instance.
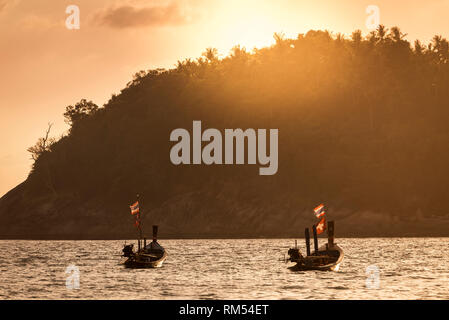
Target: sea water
(373, 268)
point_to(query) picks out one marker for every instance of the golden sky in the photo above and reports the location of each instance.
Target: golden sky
(45, 66)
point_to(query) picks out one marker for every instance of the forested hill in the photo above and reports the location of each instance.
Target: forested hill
(363, 128)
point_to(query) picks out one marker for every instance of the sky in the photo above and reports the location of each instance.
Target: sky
(46, 66)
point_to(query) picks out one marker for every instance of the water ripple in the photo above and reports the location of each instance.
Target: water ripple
(224, 269)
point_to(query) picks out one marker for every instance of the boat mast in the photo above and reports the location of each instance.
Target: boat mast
(315, 238)
(307, 236)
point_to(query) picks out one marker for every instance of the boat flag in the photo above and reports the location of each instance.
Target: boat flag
(321, 226)
(319, 211)
(134, 207)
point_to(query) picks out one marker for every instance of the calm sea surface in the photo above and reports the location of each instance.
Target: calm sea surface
(408, 268)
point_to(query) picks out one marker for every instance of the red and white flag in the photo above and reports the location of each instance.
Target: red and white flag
(321, 226)
(134, 207)
(319, 211)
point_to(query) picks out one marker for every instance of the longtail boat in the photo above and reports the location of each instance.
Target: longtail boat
(150, 255)
(326, 258)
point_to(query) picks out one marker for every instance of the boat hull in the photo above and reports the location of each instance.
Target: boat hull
(141, 262)
(300, 265)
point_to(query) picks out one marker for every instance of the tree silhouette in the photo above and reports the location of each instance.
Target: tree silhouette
(82, 109)
(42, 145)
(211, 54)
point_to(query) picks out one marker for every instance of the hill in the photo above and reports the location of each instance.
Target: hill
(362, 127)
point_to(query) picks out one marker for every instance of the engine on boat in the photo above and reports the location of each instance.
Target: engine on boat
(294, 254)
(128, 250)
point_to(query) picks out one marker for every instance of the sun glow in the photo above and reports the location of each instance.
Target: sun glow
(253, 24)
(256, 31)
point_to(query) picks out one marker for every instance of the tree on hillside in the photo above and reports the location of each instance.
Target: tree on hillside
(211, 54)
(42, 145)
(79, 111)
(38, 151)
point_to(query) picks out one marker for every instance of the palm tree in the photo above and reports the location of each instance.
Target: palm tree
(279, 37)
(419, 48)
(381, 32)
(440, 47)
(396, 35)
(356, 36)
(211, 54)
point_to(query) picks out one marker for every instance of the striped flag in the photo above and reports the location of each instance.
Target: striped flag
(319, 211)
(321, 226)
(134, 207)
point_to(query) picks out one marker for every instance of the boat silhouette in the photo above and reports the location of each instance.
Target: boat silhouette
(326, 258)
(150, 255)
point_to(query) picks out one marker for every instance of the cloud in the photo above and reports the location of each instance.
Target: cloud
(3, 4)
(129, 16)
